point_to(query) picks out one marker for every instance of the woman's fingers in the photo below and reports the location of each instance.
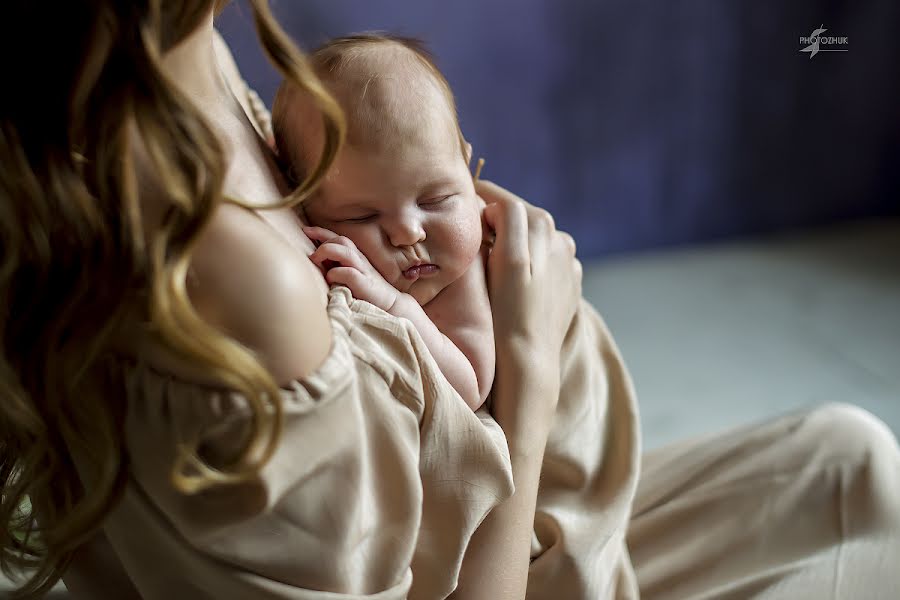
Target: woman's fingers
(491, 192)
(524, 226)
(534, 279)
(540, 219)
(568, 241)
(511, 239)
(506, 215)
(541, 236)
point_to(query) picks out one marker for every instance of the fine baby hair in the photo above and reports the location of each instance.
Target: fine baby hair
(370, 62)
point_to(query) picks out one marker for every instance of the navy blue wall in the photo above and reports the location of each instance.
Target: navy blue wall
(642, 124)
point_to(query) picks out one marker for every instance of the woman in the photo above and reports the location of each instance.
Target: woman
(117, 179)
(176, 372)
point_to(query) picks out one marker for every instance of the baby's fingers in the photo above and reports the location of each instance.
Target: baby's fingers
(347, 256)
(319, 234)
(350, 277)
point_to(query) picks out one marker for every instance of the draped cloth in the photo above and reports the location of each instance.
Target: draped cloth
(381, 477)
(383, 474)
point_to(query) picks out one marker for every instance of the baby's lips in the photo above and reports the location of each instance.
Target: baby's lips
(413, 273)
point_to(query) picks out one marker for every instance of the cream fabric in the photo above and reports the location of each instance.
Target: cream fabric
(384, 474)
(806, 506)
(590, 472)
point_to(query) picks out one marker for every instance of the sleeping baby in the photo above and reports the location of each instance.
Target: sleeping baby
(399, 223)
(397, 218)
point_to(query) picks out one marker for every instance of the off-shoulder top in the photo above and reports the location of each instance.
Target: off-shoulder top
(381, 477)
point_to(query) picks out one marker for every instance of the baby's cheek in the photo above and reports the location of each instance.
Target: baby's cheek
(466, 238)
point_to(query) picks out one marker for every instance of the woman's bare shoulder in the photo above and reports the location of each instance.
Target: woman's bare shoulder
(247, 280)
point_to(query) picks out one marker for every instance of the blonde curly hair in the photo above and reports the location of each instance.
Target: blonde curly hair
(76, 263)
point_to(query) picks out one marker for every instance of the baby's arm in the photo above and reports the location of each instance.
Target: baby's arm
(344, 264)
(453, 362)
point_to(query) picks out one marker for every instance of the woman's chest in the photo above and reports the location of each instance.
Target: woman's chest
(253, 179)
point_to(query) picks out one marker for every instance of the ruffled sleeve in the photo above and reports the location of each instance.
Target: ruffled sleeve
(380, 479)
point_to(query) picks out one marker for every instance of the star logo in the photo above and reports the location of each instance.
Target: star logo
(813, 48)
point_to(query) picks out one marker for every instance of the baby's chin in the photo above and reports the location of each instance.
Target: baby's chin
(424, 291)
(427, 290)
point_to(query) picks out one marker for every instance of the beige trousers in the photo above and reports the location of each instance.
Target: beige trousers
(805, 506)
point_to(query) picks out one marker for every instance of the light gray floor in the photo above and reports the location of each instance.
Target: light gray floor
(729, 333)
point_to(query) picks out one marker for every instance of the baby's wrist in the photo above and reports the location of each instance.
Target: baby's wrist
(401, 307)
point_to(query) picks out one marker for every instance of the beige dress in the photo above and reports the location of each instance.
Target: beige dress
(384, 473)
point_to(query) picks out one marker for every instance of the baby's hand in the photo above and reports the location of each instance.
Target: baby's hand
(343, 263)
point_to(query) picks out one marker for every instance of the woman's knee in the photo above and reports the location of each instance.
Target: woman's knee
(862, 449)
(848, 433)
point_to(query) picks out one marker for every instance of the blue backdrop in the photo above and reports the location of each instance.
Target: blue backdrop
(642, 124)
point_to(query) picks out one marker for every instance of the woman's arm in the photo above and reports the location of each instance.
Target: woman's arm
(255, 286)
(496, 562)
(534, 281)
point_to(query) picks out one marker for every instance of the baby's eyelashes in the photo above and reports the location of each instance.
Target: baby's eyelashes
(437, 200)
(427, 204)
(360, 219)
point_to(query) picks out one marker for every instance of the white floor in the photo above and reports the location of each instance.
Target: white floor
(728, 333)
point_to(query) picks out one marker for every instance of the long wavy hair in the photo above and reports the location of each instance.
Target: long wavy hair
(75, 260)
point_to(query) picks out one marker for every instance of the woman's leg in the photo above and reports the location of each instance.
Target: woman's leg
(805, 506)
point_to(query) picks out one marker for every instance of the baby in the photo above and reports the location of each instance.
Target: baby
(399, 223)
(397, 217)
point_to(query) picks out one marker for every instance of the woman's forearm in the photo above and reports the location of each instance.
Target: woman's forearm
(495, 566)
(534, 282)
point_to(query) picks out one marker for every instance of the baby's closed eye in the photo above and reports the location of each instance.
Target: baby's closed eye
(368, 218)
(437, 201)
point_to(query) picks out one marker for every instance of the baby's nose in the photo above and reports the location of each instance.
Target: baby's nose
(406, 232)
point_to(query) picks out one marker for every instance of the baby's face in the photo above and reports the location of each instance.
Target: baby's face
(411, 209)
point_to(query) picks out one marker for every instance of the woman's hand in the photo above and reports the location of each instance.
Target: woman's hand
(534, 281)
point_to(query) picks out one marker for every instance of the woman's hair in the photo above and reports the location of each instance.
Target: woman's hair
(83, 86)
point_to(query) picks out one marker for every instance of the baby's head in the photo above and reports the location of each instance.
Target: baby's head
(400, 188)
